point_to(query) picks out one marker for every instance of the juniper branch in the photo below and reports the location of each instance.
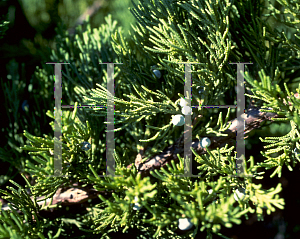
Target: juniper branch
(253, 119)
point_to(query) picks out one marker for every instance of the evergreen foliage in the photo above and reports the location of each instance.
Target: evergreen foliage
(213, 34)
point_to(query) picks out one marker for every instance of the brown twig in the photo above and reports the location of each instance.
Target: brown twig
(92, 10)
(68, 197)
